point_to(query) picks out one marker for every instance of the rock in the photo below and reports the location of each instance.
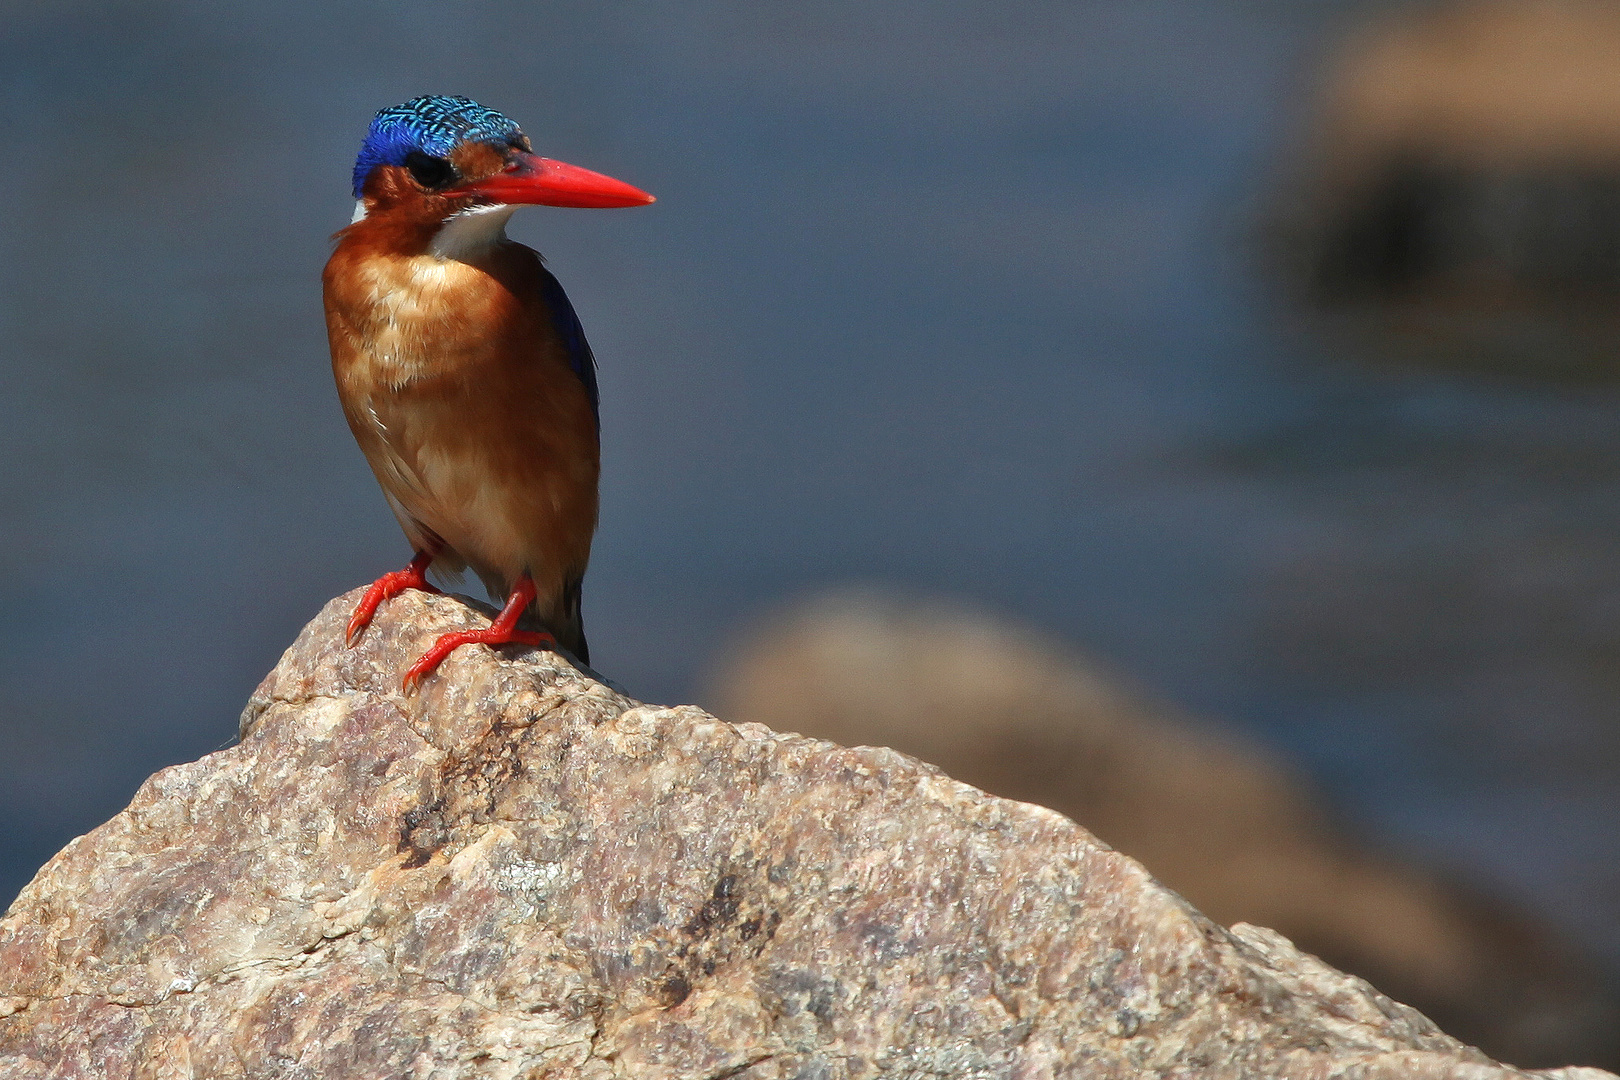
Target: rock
(1454, 191)
(522, 873)
(1209, 814)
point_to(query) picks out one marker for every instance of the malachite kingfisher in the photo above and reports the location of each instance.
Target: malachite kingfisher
(462, 368)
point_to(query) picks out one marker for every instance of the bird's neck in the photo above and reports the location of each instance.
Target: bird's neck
(472, 233)
(468, 235)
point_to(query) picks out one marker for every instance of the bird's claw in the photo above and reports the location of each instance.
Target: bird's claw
(390, 585)
(449, 643)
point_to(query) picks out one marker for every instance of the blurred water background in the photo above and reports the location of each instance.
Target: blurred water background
(961, 298)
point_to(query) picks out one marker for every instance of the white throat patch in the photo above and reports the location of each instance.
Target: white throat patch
(471, 232)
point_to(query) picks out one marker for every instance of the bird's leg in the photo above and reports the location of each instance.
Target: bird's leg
(390, 585)
(502, 631)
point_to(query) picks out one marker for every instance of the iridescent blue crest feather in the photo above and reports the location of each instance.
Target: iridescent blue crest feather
(433, 125)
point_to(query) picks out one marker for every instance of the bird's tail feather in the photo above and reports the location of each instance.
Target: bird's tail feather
(571, 629)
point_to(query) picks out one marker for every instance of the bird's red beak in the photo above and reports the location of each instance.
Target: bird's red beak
(538, 180)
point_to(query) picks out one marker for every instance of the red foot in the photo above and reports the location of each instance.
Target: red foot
(503, 631)
(414, 576)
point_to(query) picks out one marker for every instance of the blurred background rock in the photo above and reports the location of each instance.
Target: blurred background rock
(1457, 186)
(1134, 322)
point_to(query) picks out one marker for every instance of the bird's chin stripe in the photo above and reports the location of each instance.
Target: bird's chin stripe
(471, 231)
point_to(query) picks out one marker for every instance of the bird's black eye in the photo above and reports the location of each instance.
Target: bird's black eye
(429, 171)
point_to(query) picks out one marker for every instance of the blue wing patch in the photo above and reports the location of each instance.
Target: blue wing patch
(580, 357)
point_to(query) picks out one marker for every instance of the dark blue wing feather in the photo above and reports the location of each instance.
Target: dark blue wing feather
(580, 357)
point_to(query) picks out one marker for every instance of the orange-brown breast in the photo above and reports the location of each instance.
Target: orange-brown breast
(458, 388)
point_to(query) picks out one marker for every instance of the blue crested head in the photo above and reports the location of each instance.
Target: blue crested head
(432, 125)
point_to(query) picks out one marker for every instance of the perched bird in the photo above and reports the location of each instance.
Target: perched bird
(462, 368)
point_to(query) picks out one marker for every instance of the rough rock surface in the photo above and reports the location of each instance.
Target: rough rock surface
(1209, 814)
(521, 873)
